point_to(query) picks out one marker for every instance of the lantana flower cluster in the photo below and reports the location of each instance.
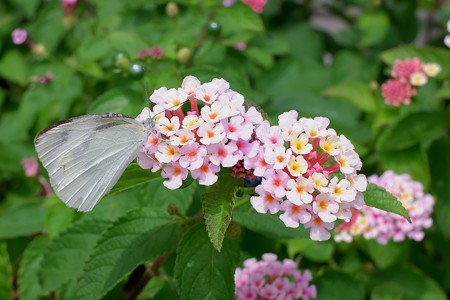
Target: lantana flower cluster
(406, 75)
(373, 223)
(309, 174)
(216, 132)
(272, 279)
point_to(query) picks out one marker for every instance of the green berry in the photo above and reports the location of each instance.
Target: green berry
(136, 71)
(214, 28)
(121, 61)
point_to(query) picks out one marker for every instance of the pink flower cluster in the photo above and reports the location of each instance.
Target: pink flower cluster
(216, 132)
(383, 226)
(308, 173)
(153, 52)
(406, 74)
(272, 279)
(256, 5)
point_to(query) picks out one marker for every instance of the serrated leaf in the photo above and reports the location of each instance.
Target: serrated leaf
(5, 274)
(138, 237)
(21, 217)
(30, 265)
(200, 271)
(415, 284)
(218, 203)
(266, 224)
(426, 54)
(132, 177)
(378, 197)
(357, 93)
(67, 254)
(338, 286)
(412, 129)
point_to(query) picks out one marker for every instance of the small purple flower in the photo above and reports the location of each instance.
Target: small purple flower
(30, 166)
(19, 36)
(228, 3)
(240, 46)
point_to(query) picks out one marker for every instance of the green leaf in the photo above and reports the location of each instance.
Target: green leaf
(21, 217)
(415, 284)
(412, 161)
(378, 197)
(238, 20)
(338, 286)
(157, 195)
(111, 101)
(412, 129)
(356, 92)
(316, 252)
(138, 237)
(439, 166)
(426, 54)
(67, 254)
(387, 291)
(48, 27)
(218, 203)
(59, 216)
(5, 274)
(373, 27)
(27, 6)
(13, 67)
(30, 265)
(386, 255)
(129, 42)
(200, 271)
(132, 177)
(266, 224)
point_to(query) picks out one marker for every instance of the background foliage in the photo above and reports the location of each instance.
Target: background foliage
(321, 59)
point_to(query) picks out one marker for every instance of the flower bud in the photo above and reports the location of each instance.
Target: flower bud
(183, 55)
(172, 9)
(172, 209)
(39, 50)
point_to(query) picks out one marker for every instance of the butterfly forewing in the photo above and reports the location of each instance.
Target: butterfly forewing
(85, 156)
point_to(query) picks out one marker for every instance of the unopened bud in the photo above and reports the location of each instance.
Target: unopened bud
(172, 9)
(172, 209)
(39, 50)
(183, 55)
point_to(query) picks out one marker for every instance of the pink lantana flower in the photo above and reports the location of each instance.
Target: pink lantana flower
(396, 92)
(407, 74)
(373, 223)
(302, 165)
(272, 279)
(215, 131)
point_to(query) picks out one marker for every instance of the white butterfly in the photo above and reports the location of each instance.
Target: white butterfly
(85, 156)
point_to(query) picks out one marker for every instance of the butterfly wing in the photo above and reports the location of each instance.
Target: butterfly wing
(85, 156)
